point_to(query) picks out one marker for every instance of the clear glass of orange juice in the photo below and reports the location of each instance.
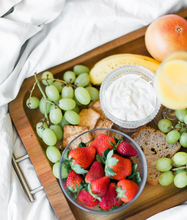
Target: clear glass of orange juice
(170, 83)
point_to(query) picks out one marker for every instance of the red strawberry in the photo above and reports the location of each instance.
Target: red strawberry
(117, 167)
(102, 142)
(96, 171)
(110, 200)
(86, 198)
(126, 190)
(98, 188)
(82, 158)
(126, 149)
(74, 181)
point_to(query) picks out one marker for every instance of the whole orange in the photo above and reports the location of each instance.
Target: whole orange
(166, 35)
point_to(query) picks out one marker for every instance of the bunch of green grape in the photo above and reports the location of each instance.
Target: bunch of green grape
(60, 104)
(173, 170)
(177, 132)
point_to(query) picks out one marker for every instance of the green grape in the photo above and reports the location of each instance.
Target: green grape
(164, 125)
(48, 76)
(76, 109)
(166, 178)
(79, 69)
(172, 136)
(51, 108)
(82, 95)
(59, 85)
(58, 131)
(43, 104)
(63, 122)
(49, 137)
(183, 140)
(180, 114)
(53, 154)
(82, 80)
(40, 127)
(52, 93)
(180, 180)
(94, 93)
(180, 158)
(64, 171)
(32, 102)
(69, 77)
(67, 104)
(178, 171)
(164, 164)
(185, 119)
(77, 102)
(72, 117)
(180, 127)
(67, 92)
(55, 116)
(56, 169)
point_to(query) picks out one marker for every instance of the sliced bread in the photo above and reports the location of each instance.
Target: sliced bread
(153, 144)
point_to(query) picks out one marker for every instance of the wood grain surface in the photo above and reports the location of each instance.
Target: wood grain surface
(153, 198)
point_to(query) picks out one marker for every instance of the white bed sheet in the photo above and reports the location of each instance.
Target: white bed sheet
(40, 34)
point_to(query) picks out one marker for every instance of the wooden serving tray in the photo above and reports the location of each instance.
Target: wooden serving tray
(153, 198)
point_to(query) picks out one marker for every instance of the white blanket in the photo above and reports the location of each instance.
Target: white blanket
(38, 34)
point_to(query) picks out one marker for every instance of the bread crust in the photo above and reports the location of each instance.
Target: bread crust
(153, 144)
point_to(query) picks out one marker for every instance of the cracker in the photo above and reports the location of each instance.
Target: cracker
(92, 103)
(106, 123)
(97, 107)
(88, 118)
(71, 130)
(85, 138)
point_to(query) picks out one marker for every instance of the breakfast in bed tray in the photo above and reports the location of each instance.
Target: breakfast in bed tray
(80, 108)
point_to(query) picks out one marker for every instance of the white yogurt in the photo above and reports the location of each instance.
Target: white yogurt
(130, 98)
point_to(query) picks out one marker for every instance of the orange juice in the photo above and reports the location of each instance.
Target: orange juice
(171, 84)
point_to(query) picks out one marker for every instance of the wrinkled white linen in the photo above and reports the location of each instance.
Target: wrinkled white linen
(37, 35)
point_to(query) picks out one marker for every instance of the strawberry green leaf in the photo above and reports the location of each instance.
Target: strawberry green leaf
(99, 158)
(105, 153)
(138, 178)
(117, 140)
(72, 194)
(70, 189)
(109, 155)
(114, 207)
(109, 172)
(77, 168)
(133, 171)
(66, 155)
(135, 176)
(111, 161)
(120, 193)
(85, 186)
(94, 195)
(76, 189)
(82, 144)
(112, 144)
(66, 168)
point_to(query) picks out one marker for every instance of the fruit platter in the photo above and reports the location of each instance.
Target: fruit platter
(83, 77)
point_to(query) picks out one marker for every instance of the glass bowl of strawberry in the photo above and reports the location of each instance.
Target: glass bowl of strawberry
(105, 175)
(128, 97)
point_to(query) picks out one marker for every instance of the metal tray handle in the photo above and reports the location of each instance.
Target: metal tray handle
(22, 178)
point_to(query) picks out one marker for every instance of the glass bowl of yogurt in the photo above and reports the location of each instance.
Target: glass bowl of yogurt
(128, 97)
